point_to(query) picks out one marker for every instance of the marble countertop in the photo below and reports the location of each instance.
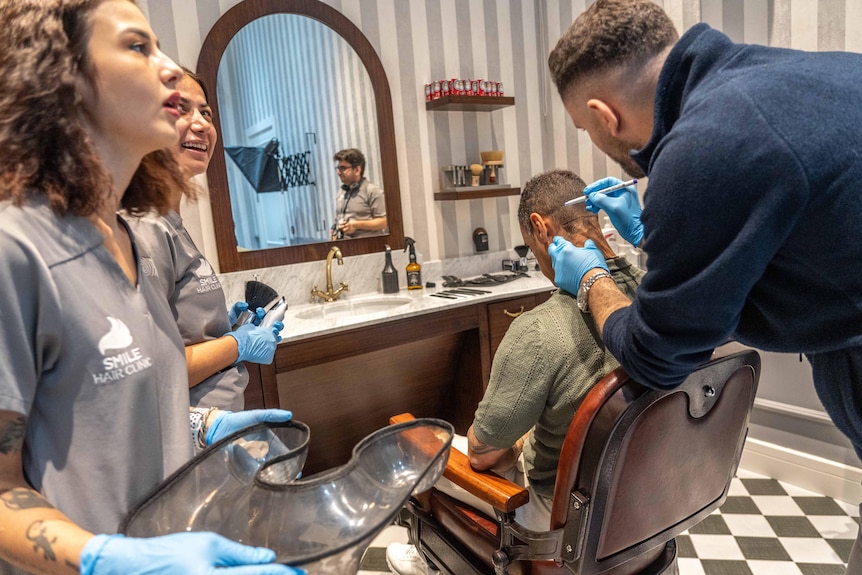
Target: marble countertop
(353, 311)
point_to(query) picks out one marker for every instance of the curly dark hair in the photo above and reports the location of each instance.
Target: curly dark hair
(353, 157)
(45, 149)
(545, 195)
(608, 35)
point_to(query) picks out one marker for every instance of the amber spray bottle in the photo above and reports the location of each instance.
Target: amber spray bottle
(414, 270)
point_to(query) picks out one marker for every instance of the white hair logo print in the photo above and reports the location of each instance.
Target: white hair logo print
(204, 270)
(119, 336)
(120, 358)
(207, 279)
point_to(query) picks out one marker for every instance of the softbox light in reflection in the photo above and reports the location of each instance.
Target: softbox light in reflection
(260, 166)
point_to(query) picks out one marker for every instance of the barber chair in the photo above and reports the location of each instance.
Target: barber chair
(638, 467)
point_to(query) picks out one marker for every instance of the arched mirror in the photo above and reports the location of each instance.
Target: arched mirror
(291, 83)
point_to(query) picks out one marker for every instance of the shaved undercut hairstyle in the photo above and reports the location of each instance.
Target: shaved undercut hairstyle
(609, 35)
(545, 195)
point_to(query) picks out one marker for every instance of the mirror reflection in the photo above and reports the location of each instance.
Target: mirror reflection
(361, 207)
(293, 97)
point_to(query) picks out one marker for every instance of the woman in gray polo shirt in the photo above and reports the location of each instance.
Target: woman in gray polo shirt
(92, 410)
(214, 353)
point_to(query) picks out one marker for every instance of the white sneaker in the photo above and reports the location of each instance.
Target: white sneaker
(406, 560)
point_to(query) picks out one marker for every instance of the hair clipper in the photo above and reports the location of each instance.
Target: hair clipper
(274, 313)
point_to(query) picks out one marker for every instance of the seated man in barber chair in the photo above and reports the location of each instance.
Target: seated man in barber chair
(546, 363)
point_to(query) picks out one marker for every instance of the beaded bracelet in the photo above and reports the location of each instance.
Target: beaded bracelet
(197, 422)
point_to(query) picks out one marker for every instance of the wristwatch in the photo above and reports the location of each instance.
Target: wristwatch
(585, 289)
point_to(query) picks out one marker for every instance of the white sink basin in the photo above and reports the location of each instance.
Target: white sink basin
(353, 308)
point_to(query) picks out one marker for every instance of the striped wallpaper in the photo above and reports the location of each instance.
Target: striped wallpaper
(506, 40)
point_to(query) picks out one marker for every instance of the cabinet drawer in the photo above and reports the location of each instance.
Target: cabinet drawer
(501, 314)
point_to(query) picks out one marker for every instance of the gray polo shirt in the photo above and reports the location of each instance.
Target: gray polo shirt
(197, 301)
(95, 363)
(365, 203)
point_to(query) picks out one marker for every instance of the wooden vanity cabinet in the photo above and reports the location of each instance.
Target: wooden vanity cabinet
(346, 385)
(502, 314)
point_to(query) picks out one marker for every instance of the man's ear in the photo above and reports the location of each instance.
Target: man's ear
(606, 115)
(542, 229)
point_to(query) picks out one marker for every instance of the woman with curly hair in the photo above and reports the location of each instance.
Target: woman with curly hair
(93, 395)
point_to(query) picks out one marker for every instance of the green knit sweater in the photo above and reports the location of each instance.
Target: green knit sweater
(546, 363)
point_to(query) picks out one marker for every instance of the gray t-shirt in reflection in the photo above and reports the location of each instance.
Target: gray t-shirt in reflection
(364, 203)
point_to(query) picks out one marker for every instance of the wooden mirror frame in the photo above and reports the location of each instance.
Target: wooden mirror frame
(230, 23)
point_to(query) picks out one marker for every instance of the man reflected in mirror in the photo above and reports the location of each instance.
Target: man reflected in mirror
(360, 209)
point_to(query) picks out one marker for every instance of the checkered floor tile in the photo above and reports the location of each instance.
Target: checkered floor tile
(766, 527)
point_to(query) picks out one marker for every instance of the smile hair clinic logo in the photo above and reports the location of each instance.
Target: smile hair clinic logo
(123, 359)
(207, 279)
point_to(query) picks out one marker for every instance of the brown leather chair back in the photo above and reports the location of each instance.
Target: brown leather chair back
(638, 467)
(651, 463)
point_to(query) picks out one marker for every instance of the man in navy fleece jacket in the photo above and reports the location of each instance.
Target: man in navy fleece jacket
(751, 222)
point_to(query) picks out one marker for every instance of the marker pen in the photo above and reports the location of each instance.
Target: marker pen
(582, 199)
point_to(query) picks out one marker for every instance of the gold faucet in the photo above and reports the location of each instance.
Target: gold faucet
(330, 294)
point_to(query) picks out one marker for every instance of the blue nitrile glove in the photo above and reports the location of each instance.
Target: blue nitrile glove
(571, 263)
(235, 310)
(178, 554)
(622, 206)
(226, 422)
(256, 344)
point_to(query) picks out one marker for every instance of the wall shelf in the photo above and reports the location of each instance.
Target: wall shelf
(470, 103)
(476, 193)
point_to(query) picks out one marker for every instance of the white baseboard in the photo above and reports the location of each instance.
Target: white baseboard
(837, 480)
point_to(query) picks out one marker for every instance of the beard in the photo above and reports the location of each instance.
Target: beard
(630, 167)
(620, 152)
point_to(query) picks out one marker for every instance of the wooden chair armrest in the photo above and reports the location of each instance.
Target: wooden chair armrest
(576, 436)
(500, 493)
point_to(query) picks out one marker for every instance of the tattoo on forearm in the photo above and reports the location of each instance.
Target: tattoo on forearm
(23, 498)
(12, 436)
(36, 534)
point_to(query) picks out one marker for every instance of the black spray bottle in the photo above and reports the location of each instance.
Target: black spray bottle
(414, 270)
(390, 276)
